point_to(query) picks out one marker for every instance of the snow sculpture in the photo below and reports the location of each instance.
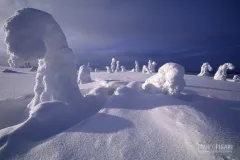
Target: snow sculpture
(205, 69)
(109, 70)
(96, 70)
(149, 65)
(145, 69)
(113, 65)
(221, 73)
(118, 67)
(84, 75)
(123, 69)
(169, 80)
(153, 66)
(33, 34)
(137, 66)
(236, 78)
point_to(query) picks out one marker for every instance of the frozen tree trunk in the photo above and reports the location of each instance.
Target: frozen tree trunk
(113, 65)
(145, 69)
(118, 67)
(137, 66)
(221, 73)
(123, 69)
(205, 69)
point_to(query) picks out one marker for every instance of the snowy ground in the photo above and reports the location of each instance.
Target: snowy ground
(203, 123)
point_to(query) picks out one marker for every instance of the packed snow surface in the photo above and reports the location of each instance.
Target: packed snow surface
(132, 124)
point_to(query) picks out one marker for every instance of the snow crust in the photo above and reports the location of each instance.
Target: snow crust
(169, 80)
(84, 75)
(205, 68)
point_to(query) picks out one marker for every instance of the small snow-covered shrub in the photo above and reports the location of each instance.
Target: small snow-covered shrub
(118, 67)
(145, 69)
(205, 69)
(109, 70)
(123, 69)
(113, 65)
(137, 66)
(84, 75)
(153, 66)
(236, 78)
(221, 73)
(169, 80)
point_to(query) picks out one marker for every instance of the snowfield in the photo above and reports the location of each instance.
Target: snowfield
(202, 123)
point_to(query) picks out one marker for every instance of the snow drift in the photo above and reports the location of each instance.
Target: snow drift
(168, 80)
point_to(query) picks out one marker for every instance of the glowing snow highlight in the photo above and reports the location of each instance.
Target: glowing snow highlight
(169, 80)
(221, 73)
(84, 75)
(205, 69)
(109, 70)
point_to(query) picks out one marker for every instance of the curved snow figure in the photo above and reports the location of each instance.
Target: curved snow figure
(145, 69)
(168, 80)
(205, 69)
(153, 66)
(118, 67)
(221, 73)
(236, 78)
(34, 34)
(137, 66)
(123, 69)
(84, 75)
(113, 65)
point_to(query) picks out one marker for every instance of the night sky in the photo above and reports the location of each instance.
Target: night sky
(189, 32)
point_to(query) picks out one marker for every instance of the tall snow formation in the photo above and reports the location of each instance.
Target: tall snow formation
(169, 80)
(145, 69)
(109, 70)
(149, 65)
(113, 65)
(221, 73)
(205, 69)
(123, 69)
(153, 66)
(236, 78)
(32, 34)
(84, 75)
(117, 67)
(137, 66)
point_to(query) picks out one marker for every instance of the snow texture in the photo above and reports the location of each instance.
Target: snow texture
(221, 73)
(169, 80)
(123, 69)
(145, 69)
(84, 75)
(205, 69)
(113, 65)
(236, 78)
(137, 66)
(118, 67)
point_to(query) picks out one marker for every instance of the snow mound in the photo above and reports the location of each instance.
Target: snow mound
(236, 78)
(205, 69)
(84, 75)
(221, 73)
(169, 80)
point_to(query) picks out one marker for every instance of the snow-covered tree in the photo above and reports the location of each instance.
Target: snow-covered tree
(89, 66)
(123, 69)
(168, 80)
(205, 69)
(109, 70)
(84, 75)
(113, 65)
(153, 66)
(118, 67)
(137, 66)
(236, 78)
(32, 34)
(149, 65)
(96, 70)
(221, 73)
(145, 69)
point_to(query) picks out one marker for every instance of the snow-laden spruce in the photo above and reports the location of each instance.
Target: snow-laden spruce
(117, 67)
(113, 65)
(123, 69)
(149, 65)
(109, 70)
(145, 69)
(236, 78)
(221, 73)
(137, 68)
(153, 66)
(205, 69)
(169, 80)
(84, 75)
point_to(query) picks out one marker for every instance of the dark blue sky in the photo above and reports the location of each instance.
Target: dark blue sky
(105, 26)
